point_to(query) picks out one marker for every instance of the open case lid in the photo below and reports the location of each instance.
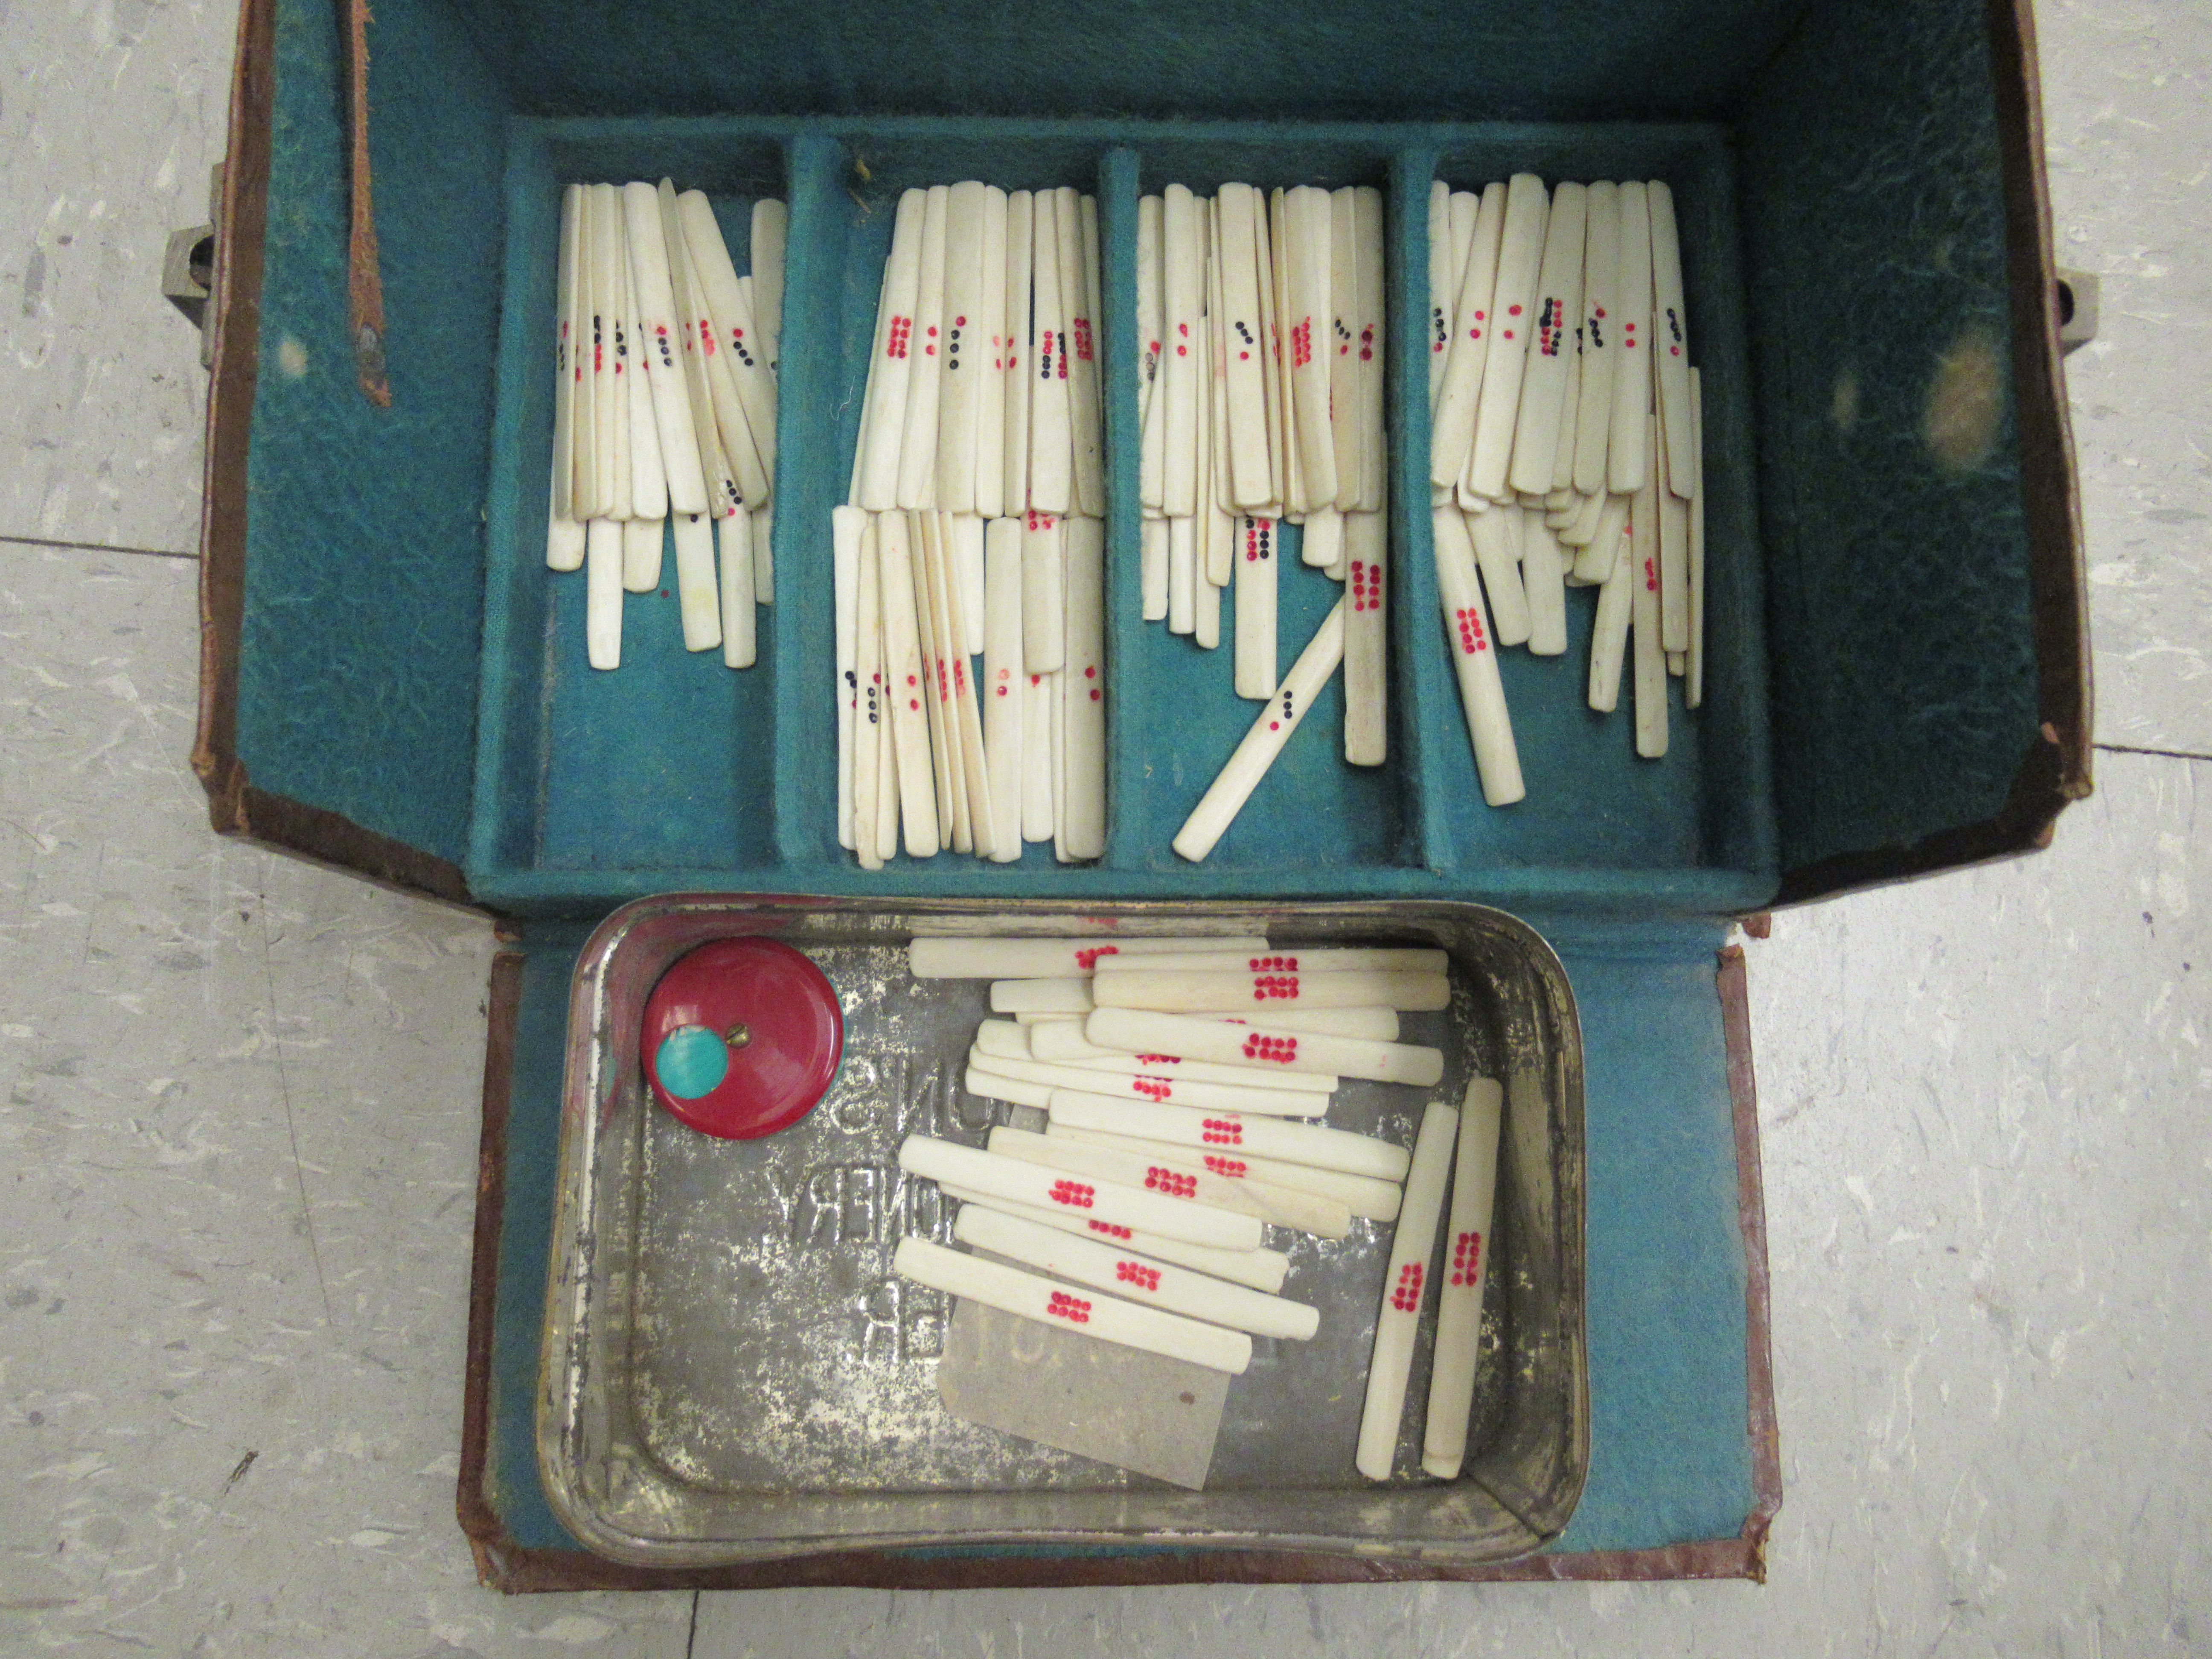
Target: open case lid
(1927, 669)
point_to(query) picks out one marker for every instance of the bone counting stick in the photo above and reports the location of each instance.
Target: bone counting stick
(1474, 650)
(1158, 1087)
(998, 1176)
(1182, 1175)
(1466, 1263)
(1227, 1132)
(1263, 1270)
(985, 1083)
(1404, 1285)
(1031, 1297)
(1221, 956)
(1363, 1195)
(1141, 1031)
(1041, 996)
(1062, 1042)
(1279, 717)
(1175, 990)
(1006, 1038)
(1151, 1283)
(1375, 1024)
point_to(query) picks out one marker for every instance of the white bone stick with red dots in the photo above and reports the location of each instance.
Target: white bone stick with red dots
(1149, 1284)
(925, 377)
(1087, 1313)
(1263, 1269)
(1363, 1195)
(1405, 1286)
(1000, 1176)
(1225, 797)
(1231, 1132)
(1143, 1031)
(1183, 1175)
(1468, 1239)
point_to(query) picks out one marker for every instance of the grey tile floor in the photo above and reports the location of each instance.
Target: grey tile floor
(241, 1092)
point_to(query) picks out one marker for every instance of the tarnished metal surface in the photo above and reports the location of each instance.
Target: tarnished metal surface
(731, 1373)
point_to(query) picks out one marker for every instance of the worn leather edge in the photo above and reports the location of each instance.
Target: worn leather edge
(526, 1571)
(235, 807)
(1763, 1425)
(504, 1564)
(2056, 770)
(480, 1521)
(331, 839)
(235, 316)
(2057, 577)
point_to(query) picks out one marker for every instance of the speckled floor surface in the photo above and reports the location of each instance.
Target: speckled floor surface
(242, 1092)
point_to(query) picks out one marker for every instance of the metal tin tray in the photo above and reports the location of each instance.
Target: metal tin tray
(730, 1373)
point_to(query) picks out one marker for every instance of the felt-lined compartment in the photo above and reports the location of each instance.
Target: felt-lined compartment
(1863, 210)
(1179, 715)
(673, 770)
(667, 760)
(1591, 801)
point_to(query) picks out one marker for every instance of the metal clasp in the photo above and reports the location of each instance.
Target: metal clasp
(188, 269)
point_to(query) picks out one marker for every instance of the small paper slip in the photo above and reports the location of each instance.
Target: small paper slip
(1136, 1410)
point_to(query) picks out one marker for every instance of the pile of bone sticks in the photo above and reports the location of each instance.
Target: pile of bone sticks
(664, 410)
(1261, 324)
(1184, 1082)
(975, 525)
(1567, 450)
(1567, 446)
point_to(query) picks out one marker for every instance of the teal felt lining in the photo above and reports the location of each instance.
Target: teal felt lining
(618, 782)
(1904, 653)
(408, 663)
(364, 571)
(1300, 60)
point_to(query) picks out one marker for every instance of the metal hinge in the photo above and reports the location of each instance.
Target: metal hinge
(188, 269)
(2077, 309)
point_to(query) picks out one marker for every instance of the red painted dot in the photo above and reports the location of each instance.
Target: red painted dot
(912, 704)
(1275, 725)
(1182, 351)
(1475, 334)
(1091, 673)
(1513, 311)
(931, 331)
(1509, 333)
(1601, 311)
(909, 679)
(959, 322)
(1480, 316)
(1674, 352)
(1095, 695)
(1243, 356)
(1002, 690)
